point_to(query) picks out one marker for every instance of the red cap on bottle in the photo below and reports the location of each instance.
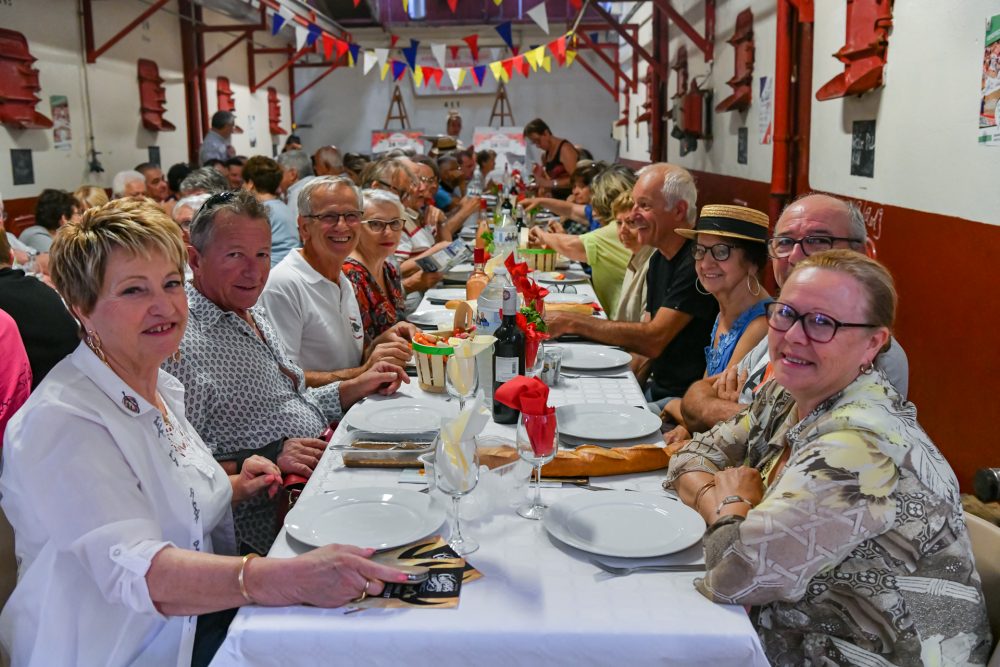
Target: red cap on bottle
(479, 255)
(482, 204)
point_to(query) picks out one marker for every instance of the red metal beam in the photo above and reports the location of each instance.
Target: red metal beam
(706, 42)
(340, 62)
(630, 40)
(255, 86)
(607, 86)
(88, 27)
(613, 64)
(224, 50)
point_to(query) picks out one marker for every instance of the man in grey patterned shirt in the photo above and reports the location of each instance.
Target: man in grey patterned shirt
(242, 393)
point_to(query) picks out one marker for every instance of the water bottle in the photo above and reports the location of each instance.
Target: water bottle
(505, 238)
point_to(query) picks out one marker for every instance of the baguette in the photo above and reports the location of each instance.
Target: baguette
(589, 460)
(581, 308)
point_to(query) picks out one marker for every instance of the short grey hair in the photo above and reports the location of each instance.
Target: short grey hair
(387, 168)
(202, 180)
(298, 160)
(323, 183)
(375, 197)
(193, 202)
(238, 202)
(857, 229)
(678, 185)
(123, 178)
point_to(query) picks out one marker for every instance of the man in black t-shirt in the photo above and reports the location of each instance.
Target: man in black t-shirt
(47, 329)
(679, 323)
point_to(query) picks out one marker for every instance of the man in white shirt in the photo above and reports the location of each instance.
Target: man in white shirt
(310, 300)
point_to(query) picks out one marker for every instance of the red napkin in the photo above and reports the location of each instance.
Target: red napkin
(531, 396)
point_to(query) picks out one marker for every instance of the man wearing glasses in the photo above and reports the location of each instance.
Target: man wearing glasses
(809, 225)
(312, 302)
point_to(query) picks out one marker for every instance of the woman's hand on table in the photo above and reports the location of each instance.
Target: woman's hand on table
(742, 481)
(300, 456)
(330, 576)
(383, 378)
(256, 475)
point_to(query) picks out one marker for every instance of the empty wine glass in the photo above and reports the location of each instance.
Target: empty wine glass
(536, 444)
(456, 473)
(461, 378)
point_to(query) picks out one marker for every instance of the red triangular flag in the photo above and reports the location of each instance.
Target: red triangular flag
(327, 45)
(558, 48)
(577, 4)
(508, 66)
(452, 5)
(341, 47)
(356, 3)
(437, 74)
(473, 42)
(454, 52)
(392, 40)
(521, 65)
(515, 50)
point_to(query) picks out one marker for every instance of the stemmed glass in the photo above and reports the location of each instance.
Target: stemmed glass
(456, 473)
(461, 378)
(536, 443)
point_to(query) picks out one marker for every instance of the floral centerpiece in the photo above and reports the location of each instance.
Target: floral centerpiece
(530, 320)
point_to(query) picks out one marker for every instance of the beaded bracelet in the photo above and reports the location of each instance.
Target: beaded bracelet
(242, 579)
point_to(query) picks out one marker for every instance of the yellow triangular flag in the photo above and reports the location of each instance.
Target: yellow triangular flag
(497, 69)
(406, 6)
(385, 70)
(461, 78)
(418, 75)
(547, 63)
(533, 57)
(497, 2)
(570, 55)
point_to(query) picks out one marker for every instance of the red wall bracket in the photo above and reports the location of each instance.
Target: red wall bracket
(742, 81)
(647, 106)
(18, 84)
(274, 111)
(864, 53)
(680, 68)
(224, 98)
(152, 95)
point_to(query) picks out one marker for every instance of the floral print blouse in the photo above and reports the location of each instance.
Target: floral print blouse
(379, 311)
(858, 553)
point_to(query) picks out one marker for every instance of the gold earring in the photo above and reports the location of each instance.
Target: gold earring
(93, 341)
(755, 290)
(176, 356)
(868, 368)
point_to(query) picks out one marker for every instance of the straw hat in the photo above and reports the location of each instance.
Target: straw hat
(737, 222)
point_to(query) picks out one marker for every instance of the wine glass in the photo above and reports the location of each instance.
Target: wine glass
(456, 472)
(461, 378)
(536, 443)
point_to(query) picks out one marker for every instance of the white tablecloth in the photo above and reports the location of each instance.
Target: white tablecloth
(538, 603)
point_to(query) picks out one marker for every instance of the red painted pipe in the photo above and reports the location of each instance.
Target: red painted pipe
(781, 181)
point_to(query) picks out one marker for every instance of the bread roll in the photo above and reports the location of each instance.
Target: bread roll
(588, 460)
(581, 308)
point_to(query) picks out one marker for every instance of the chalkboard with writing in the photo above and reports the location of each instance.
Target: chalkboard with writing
(863, 148)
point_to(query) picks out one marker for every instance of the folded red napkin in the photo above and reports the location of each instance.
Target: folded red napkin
(531, 396)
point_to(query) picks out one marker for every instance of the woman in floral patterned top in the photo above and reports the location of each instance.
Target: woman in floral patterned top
(830, 511)
(375, 277)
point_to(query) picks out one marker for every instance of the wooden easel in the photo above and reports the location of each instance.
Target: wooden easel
(505, 110)
(400, 115)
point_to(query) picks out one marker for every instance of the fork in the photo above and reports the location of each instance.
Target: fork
(623, 571)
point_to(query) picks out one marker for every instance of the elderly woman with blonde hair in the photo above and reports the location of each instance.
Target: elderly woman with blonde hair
(89, 196)
(122, 516)
(632, 299)
(831, 513)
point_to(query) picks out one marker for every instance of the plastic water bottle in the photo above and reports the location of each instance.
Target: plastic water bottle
(488, 320)
(505, 238)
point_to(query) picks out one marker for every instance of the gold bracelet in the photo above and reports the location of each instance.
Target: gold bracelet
(241, 578)
(701, 492)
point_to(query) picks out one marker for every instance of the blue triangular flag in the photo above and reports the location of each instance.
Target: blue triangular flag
(355, 51)
(398, 68)
(479, 71)
(410, 53)
(593, 37)
(504, 30)
(314, 32)
(277, 20)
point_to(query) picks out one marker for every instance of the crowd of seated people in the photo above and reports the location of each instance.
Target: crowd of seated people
(207, 329)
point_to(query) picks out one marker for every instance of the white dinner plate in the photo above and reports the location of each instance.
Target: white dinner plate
(438, 319)
(562, 297)
(593, 357)
(627, 524)
(441, 295)
(380, 517)
(597, 421)
(399, 415)
(568, 277)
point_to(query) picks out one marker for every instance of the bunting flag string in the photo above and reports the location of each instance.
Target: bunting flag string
(410, 53)
(540, 16)
(277, 20)
(370, 61)
(473, 42)
(313, 34)
(438, 50)
(504, 30)
(354, 49)
(479, 73)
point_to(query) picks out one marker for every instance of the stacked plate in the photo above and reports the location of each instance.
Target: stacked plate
(399, 415)
(606, 425)
(433, 319)
(560, 278)
(442, 295)
(594, 358)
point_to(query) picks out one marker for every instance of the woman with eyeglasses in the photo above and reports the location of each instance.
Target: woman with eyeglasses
(830, 512)
(729, 253)
(376, 280)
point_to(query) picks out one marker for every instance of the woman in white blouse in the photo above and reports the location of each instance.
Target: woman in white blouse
(121, 514)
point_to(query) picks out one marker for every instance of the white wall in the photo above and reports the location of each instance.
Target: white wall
(635, 137)
(926, 155)
(346, 106)
(52, 28)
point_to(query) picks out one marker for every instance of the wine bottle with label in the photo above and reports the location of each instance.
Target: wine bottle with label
(508, 355)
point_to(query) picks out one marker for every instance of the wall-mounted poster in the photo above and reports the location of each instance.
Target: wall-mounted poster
(989, 118)
(507, 142)
(863, 148)
(764, 107)
(384, 141)
(62, 135)
(741, 145)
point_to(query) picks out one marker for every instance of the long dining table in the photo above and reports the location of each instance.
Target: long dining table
(539, 602)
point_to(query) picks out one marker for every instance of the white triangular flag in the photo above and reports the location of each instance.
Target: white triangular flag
(438, 51)
(301, 35)
(457, 75)
(540, 16)
(382, 55)
(285, 12)
(370, 61)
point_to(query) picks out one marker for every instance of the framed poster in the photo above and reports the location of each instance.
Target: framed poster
(507, 142)
(384, 141)
(863, 148)
(989, 114)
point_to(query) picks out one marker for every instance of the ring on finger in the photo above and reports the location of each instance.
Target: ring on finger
(364, 592)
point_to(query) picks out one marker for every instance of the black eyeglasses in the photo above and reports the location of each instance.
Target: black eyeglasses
(780, 247)
(392, 188)
(377, 225)
(428, 180)
(818, 328)
(333, 217)
(720, 251)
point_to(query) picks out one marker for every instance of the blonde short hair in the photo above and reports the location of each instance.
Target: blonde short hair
(89, 196)
(80, 252)
(623, 203)
(607, 185)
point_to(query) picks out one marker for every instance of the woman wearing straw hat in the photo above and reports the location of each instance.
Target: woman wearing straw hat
(730, 251)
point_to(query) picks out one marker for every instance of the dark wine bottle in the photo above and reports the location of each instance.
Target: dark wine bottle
(508, 354)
